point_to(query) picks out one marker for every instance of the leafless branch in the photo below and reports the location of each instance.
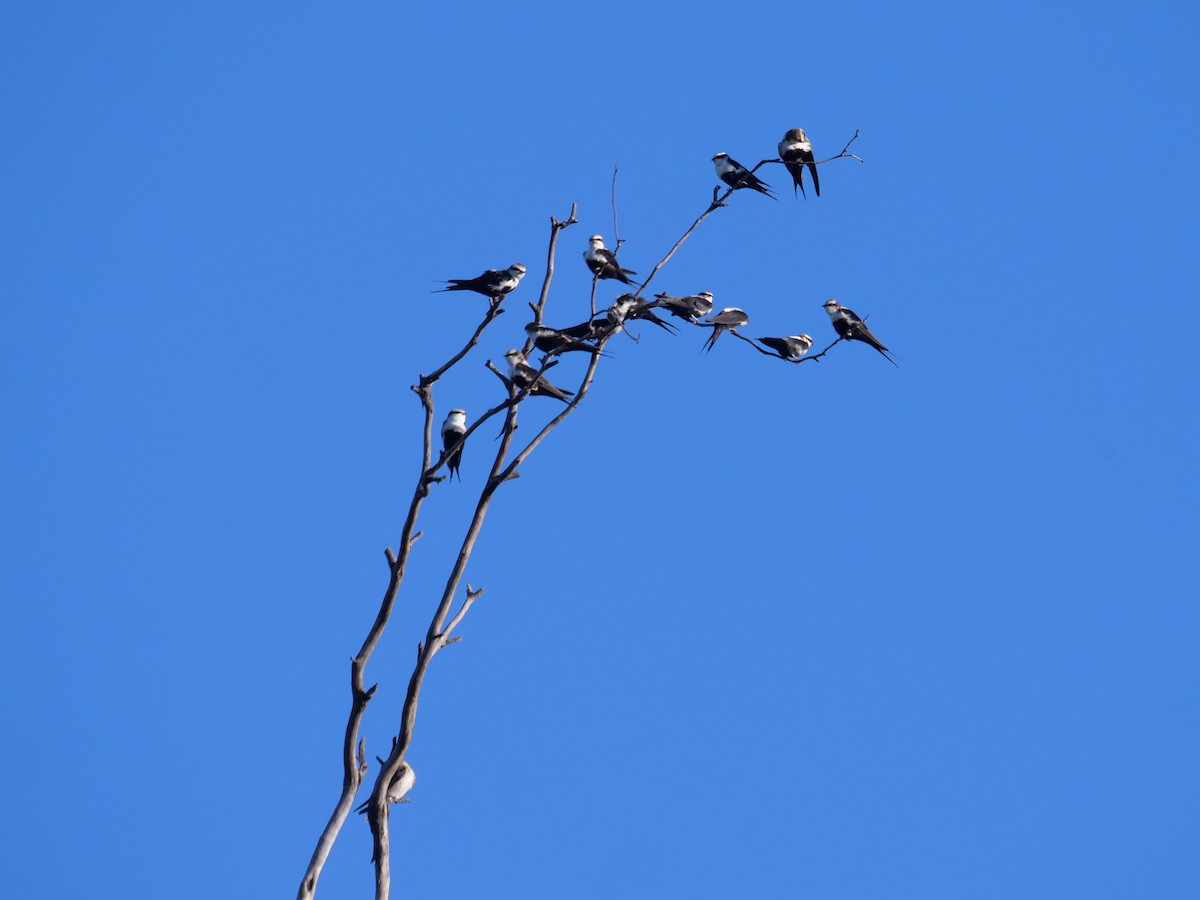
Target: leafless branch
(354, 765)
(843, 153)
(377, 805)
(617, 242)
(753, 343)
(555, 227)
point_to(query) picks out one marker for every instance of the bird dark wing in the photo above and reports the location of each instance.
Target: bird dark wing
(585, 329)
(779, 345)
(751, 180)
(466, 284)
(646, 311)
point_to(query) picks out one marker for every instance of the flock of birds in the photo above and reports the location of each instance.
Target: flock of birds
(795, 152)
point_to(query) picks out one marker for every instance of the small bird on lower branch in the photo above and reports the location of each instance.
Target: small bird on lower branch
(402, 782)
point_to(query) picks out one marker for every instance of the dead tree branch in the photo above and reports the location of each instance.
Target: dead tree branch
(354, 766)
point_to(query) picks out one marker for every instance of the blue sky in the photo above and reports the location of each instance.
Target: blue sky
(838, 630)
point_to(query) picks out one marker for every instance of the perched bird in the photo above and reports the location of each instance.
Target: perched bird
(592, 328)
(852, 328)
(494, 283)
(401, 784)
(603, 263)
(454, 428)
(793, 346)
(525, 376)
(692, 307)
(630, 307)
(551, 340)
(727, 319)
(734, 174)
(796, 152)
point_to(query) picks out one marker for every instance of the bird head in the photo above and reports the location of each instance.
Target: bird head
(517, 270)
(831, 306)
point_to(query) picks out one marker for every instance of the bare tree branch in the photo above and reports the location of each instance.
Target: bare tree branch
(555, 227)
(617, 242)
(377, 805)
(806, 358)
(354, 768)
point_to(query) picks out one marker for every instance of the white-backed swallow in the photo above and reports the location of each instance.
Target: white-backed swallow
(454, 428)
(796, 152)
(602, 262)
(524, 376)
(727, 319)
(852, 328)
(692, 307)
(793, 346)
(551, 340)
(737, 176)
(493, 283)
(401, 784)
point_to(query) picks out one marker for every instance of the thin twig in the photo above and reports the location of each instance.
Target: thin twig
(787, 359)
(617, 242)
(555, 227)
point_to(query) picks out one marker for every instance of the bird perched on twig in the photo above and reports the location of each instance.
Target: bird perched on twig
(796, 152)
(402, 782)
(551, 340)
(692, 307)
(737, 176)
(727, 319)
(494, 283)
(454, 428)
(629, 306)
(525, 376)
(603, 263)
(793, 346)
(852, 328)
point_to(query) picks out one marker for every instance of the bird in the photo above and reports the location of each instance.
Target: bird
(793, 346)
(727, 319)
(603, 263)
(525, 376)
(592, 328)
(402, 782)
(453, 429)
(852, 328)
(551, 340)
(796, 152)
(494, 283)
(644, 309)
(691, 307)
(734, 174)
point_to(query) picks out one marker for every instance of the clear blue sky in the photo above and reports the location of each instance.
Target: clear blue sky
(834, 631)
